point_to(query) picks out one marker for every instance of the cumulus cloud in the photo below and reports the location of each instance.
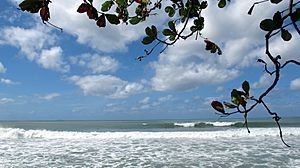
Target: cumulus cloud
(2, 68)
(109, 39)
(106, 85)
(53, 59)
(96, 63)
(7, 81)
(179, 76)
(37, 44)
(264, 81)
(186, 65)
(50, 96)
(295, 84)
(6, 100)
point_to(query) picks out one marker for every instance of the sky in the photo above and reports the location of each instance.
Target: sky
(90, 73)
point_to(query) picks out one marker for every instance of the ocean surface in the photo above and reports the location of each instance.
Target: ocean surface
(149, 144)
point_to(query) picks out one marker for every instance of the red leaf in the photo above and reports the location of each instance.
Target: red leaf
(92, 13)
(101, 22)
(45, 13)
(218, 106)
(83, 8)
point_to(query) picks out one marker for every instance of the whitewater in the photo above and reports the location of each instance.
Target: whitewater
(147, 144)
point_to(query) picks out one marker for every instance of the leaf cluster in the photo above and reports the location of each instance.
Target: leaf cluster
(239, 99)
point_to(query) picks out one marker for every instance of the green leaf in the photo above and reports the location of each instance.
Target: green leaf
(148, 40)
(222, 3)
(235, 97)
(276, 1)
(171, 25)
(286, 35)
(193, 28)
(121, 3)
(277, 19)
(151, 32)
(229, 105)
(203, 5)
(182, 12)
(167, 32)
(172, 37)
(134, 20)
(218, 106)
(170, 10)
(154, 31)
(112, 19)
(106, 6)
(32, 6)
(267, 25)
(246, 87)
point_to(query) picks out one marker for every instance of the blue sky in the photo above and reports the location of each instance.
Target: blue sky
(91, 73)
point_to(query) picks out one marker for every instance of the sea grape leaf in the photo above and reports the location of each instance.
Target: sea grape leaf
(147, 40)
(286, 35)
(218, 106)
(277, 19)
(101, 22)
(106, 6)
(167, 32)
(171, 25)
(229, 105)
(276, 1)
(267, 25)
(134, 20)
(170, 10)
(246, 86)
(222, 3)
(112, 19)
(32, 6)
(84, 7)
(235, 97)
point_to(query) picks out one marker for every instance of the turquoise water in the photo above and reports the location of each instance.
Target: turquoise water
(155, 143)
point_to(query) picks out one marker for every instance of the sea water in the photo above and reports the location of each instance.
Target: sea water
(157, 144)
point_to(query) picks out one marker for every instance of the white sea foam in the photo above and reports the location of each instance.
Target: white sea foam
(221, 124)
(185, 124)
(16, 133)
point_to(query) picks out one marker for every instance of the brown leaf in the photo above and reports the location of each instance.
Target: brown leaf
(101, 22)
(45, 13)
(218, 106)
(83, 8)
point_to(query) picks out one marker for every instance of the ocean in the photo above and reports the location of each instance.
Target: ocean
(149, 144)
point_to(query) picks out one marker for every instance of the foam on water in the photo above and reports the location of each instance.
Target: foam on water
(16, 133)
(232, 147)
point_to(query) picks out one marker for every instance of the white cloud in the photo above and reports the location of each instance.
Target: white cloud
(2, 68)
(52, 59)
(30, 41)
(7, 81)
(96, 63)
(295, 84)
(146, 100)
(108, 39)
(50, 96)
(179, 76)
(106, 85)
(6, 100)
(37, 44)
(186, 65)
(166, 98)
(264, 81)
